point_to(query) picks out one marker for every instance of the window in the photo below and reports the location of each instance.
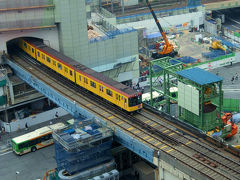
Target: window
(93, 84)
(59, 66)
(25, 45)
(101, 88)
(86, 80)
(66, 69)
(79, 77)
(43, 56)
(125, 100)
(109, 92)
(38, 54)
(48, 59)
(135, 101)
(70, 72)
(54, 63)
(116, 96)
(32, 50)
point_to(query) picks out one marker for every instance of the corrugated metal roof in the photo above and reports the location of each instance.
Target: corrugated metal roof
(199, 76)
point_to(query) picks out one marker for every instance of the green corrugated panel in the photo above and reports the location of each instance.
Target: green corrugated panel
(231, 105)
(236, 34)
(2, 100)
(3, 83)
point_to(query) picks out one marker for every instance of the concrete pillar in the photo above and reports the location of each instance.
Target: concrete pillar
(73, 35)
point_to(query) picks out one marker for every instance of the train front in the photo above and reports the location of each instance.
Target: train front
(135, 102)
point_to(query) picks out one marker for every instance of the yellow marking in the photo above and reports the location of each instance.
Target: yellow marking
(147, 121)
(157, 143)
(88, 104)
(150, 139)
(163, 147)
(188, 142)
(172, 133)
(137, 131)
(169, 150)
(129, 129)
(154, 124)
(104, 113)
(166, 130)
(111, 117)
(120, 122)
(146, 137)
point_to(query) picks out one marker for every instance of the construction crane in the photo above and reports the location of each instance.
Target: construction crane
(167, 49)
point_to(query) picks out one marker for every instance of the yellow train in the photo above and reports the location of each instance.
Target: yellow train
(113, 91)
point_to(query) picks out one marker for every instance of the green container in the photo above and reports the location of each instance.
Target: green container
(2, 100)
(231, 105)
(210, 120)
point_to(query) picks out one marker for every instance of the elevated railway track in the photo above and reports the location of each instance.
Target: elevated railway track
(149, 128)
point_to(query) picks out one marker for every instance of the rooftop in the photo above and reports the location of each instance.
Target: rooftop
(199, 76)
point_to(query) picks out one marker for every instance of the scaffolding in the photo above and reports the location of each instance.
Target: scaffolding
(197, 94)
(83, 145)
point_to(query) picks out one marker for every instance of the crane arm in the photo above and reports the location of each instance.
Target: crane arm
(158, 24)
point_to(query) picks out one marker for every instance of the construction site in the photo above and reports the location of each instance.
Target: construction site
(129, 89)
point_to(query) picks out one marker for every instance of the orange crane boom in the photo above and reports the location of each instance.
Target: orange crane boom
(167, 48)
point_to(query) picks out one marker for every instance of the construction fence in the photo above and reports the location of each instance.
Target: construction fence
(231, 105)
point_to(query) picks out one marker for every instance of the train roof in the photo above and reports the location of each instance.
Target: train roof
(81, 68)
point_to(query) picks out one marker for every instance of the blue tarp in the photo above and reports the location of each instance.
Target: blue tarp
(154, 35)
(199, 76)
(184, 59)
(215, 53)
(236, 118)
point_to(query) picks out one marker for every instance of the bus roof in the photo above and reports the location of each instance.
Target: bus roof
(38, 132)
(147, 96)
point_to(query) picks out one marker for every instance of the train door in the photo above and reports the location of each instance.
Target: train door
(116, 100)
(100, 90)
(125, 103)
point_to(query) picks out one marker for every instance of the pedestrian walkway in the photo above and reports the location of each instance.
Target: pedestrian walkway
(5, 141)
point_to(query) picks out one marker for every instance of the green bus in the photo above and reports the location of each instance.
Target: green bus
(34, 140)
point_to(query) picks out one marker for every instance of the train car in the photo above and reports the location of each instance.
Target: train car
(113, 91)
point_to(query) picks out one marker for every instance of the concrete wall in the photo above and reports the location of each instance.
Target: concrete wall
(71, 16)
(101, 54)
(26, 18)
(33, 120)
(50, 35)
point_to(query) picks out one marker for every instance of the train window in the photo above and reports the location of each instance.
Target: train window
(93, 84)
(79, 77)
(43, 56)
(54, 63)
(101, 88)
(125, 100)
(38, 54)
(48, 59)
(70, 72)
(59, 66)
(135, 101)
(32, 50)
(86, 80)
(66, 69)
(109, 92)
(25, 45)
